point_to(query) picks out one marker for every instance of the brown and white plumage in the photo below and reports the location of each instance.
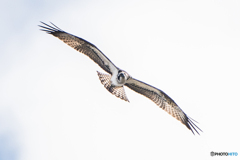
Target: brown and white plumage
(117, 91)
(163, 101)
(82, 46)
(118, 78)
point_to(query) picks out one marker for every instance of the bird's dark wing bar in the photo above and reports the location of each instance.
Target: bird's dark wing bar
(82, 46)
(163, 101)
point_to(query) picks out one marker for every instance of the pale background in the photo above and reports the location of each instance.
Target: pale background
(53, 106)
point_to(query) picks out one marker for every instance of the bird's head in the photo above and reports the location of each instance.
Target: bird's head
(122, 77)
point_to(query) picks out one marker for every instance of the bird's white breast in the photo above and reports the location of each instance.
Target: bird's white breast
(114, 79)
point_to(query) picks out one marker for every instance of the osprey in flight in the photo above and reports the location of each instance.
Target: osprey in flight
(117, 78)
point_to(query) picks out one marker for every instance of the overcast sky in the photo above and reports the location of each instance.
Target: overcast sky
(53, 106)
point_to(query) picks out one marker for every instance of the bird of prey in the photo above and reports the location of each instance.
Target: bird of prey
(117, 78)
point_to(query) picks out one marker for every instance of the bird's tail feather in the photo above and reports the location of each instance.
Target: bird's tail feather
(118, 91)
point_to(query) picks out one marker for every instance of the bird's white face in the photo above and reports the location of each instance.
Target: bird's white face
(122, 77)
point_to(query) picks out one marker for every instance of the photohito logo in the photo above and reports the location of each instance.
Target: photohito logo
(223, 153)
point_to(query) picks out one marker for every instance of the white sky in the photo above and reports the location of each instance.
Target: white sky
(53, 106)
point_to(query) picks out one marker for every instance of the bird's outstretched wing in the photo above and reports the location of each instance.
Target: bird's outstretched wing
(82, 46)
(163, 101)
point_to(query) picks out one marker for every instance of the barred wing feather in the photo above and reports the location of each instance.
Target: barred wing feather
(82, 46)
(163, 101)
